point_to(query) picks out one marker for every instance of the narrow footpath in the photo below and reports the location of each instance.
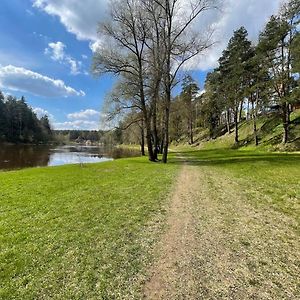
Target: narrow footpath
(218, 245)
(173, 272)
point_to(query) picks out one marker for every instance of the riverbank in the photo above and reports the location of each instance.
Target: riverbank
(226, 222)
(14, 157)
(80, 232)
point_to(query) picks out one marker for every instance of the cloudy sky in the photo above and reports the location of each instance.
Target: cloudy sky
(46, 48)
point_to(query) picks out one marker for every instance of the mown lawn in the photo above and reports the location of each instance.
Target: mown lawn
(76, 232)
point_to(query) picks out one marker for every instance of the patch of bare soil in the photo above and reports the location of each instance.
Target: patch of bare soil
(219, 244)
(173, 273)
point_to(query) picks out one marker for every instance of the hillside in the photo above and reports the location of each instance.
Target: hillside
(270, 132)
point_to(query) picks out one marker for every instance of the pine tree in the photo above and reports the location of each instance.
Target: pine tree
(3, 118)
(19, 124)
(276, 47)
(233, 71)
(257, 87)
(213, 104)
(188, 94)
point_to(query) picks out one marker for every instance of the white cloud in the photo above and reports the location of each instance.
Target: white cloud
(95, 46)
(81, 18)
(74, 65)
(200, 93)
(88, 119)
(40, 112)
(85, 114)
(20, 79)
(57, 53)
(252, 14)
(77, 124)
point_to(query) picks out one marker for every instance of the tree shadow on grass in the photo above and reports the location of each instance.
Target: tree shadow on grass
(225, 156)
(228, 156)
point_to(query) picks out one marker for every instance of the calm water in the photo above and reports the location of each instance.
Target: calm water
(24, 156)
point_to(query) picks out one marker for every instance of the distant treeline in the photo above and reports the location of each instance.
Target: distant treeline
(103, 137)
(78, 135)
(19, 124)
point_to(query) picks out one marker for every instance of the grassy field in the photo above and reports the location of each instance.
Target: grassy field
(245, 226)
(80, 233)
(275, 177)
(89, 232)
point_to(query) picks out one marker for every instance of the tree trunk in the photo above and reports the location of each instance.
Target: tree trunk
(285, 106)
(286, 122)
(162, 132)
(149, 141)
(155, 143)
(191, 132)
(146, 116)
(161, 146)
(154, 128)
(241, 111)
(248, 110)
(166, 133)
(142, 139)
(228, 121)
(148, 128)
(236, 123)
(167, 117)
(254, 116)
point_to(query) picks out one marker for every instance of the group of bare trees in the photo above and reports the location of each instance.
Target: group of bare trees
(147, 43)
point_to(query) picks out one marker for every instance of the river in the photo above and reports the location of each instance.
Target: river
(24, 156)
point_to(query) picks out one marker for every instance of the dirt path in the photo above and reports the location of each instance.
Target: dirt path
(173, 271)
(218, 245)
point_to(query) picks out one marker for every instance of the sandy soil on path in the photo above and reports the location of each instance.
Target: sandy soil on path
(219, 245)
(173, 271)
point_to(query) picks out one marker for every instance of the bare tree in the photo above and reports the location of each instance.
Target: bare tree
(124, 53)
(123, 111)
(147, 42)
(180, 45)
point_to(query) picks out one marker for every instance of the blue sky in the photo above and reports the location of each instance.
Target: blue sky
(46, 51)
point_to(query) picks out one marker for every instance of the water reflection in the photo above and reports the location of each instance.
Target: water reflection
(16, 157)
(23, 156)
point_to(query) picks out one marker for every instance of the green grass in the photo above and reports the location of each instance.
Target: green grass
(247, 217)
(80, 233)
(269, 131)
(88, 232)
(269, 179)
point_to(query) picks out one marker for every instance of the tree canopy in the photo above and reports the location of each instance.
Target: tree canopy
(19, 124)
(147, 47)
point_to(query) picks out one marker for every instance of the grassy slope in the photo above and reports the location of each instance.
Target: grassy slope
(79, 233)
(270, 132)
